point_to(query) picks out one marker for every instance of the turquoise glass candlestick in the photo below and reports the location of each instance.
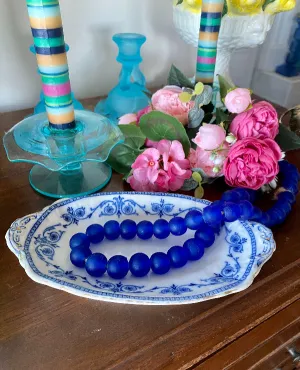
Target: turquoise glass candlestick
(130, 95)
(67, 147)
(40, 107)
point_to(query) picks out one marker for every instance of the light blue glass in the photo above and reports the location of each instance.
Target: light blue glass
(68, 163)
(40, 107)
(130, 95)
(291, 68)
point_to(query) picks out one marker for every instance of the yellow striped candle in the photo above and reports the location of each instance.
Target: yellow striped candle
(46, 24)
(208, 39)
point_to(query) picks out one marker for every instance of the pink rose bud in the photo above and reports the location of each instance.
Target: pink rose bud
(128, 119)
(238, 100)
(210, 137)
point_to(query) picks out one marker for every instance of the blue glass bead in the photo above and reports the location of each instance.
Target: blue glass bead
(117, 267)
(178, 256)
(207, 235)
(79, 240)
(265, 219)
(160, 263)
(128, 229)
(177, 226)
(139, 265)
(112, 230)
(292, 188)
(231, 212)
(145, 230)
(96, 265)
(230, 196)
(219, 203)
(284, 165)
(194, 219)
(286, 196)
(161, 229)
(286, 207)
(276, 215)
(252, 195)
(95, 233)
(195, 248)
(246, 209)
(79, 255)
(212, 215)
(257, 214)
(243, 193)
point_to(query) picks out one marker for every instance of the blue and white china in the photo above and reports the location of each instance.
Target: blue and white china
(41, 243)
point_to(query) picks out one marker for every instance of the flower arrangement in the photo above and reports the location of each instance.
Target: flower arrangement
(181, 142)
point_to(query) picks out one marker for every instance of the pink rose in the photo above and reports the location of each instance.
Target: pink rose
(203, 159)
(210, 137)
(142, 112)
(238, 100)
(128, 119)
(167, 100)
(160, 169)
(261, 122)
(252, 163)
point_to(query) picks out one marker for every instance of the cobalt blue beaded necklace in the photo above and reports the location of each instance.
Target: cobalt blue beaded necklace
(235, 204)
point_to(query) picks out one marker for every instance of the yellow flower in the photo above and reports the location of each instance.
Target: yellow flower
(279, 6)
(193, 6)
(244, 7)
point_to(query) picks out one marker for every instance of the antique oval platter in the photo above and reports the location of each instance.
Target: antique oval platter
(41, 243)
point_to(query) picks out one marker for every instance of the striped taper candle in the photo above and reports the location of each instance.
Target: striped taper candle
(208, 39)
(48, 37)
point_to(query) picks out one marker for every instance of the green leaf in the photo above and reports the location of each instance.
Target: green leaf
(225, 86)
(221, 116)
(205, 97)
(189, 184)
(177, 78)
(197, 177)
(267, 2)
(179, 2)
(122, 156)
(185, 97)
(287, 139)
(196, 116)
(199, 87)
(157, 126)
(199, 192)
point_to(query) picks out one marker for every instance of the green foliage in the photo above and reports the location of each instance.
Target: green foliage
(177, 78)
(225, 87)
(222, 116)
(157, 126)
(123, 155)
(287, 139)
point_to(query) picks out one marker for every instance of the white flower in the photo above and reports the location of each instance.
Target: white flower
(231, 139)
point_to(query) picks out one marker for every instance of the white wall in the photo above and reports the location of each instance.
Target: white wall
(89, 26)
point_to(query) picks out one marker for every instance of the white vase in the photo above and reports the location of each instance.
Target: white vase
(236, 32)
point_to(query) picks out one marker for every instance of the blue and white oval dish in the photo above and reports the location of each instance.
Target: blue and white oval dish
(41, 243)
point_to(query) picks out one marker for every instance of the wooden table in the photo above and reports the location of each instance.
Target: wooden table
(43, 328)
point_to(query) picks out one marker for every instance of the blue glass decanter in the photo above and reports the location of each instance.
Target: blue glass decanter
(291, 68)
(130, 95)
(40, 107)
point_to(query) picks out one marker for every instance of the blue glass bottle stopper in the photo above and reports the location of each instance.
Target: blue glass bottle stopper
(129, 96)
(291, 67)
